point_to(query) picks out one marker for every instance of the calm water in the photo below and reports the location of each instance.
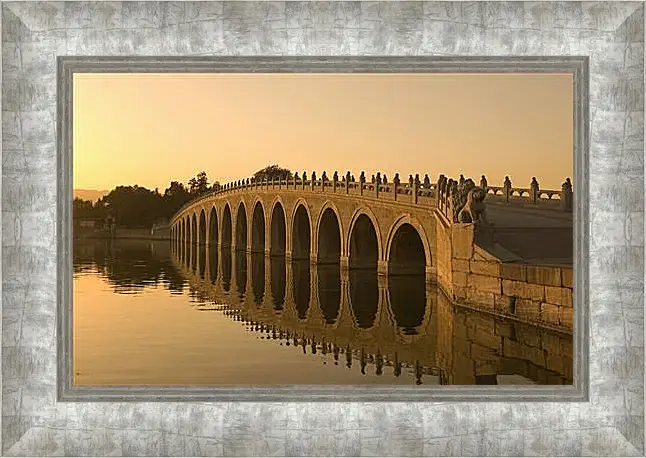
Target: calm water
(145, 316)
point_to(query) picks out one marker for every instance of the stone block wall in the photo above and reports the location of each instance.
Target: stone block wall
(540, 294)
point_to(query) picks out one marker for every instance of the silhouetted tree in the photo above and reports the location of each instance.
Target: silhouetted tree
(174, 197)
(134, 206)
(272, 172)
(198, 185)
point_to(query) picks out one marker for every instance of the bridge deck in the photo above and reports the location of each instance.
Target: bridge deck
(531, 235)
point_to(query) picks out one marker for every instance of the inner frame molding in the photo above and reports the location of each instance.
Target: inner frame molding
(67, 66)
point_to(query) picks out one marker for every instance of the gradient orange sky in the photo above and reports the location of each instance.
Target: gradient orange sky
(150, 129)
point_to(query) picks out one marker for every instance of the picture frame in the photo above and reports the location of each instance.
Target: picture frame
(37, 58)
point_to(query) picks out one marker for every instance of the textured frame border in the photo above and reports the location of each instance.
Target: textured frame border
(577, 66)
(610, 33)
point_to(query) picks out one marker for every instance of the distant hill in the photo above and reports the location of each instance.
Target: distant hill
(89, 194)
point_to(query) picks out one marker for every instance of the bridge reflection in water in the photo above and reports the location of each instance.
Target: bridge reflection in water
(370, 320)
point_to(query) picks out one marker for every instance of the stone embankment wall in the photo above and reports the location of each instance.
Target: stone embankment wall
(470, 275)
(535, 293)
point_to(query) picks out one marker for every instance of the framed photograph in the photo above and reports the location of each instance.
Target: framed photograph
(271, 222)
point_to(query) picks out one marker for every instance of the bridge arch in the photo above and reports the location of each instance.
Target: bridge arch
(241, 227)
(202, 230)
(194, 228)
(328, 224)
(213, 227)
(408, 227)
(258, 227)
(367, 226)
(301, 233)
(278, 227)
(227, 226)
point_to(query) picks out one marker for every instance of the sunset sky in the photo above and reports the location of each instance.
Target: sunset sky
(150, 129)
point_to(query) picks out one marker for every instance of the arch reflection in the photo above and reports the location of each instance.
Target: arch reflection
(329, 291)
(301, 286)
(364, 296)
(241, 273)
(213, 262)
(258, 277)
(407, 294)
(277, 280)
(226, 268)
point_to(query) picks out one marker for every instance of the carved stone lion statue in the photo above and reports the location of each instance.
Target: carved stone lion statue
(475, 210)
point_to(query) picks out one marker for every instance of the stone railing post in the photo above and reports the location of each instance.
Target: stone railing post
(347, 182)
(483, 183)
(507, 188)
(323, 180)
(313, 180)
(362, 180)
(335, 180)
(377, 184)
(304, 178)
(534, 191)
(295, 178)
(567, 196)
(280, 182)
(415, 191)
(396, 185)
(440, 191)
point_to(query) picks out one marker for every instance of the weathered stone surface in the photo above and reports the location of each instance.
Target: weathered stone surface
(504, 304)
(513, 288)
(485, 268)
(559, 296)
(550, 313)
(460, 292)
(461, 265)
(485, 283)
(567, 277)
(528, 309)
(523, 290)
(481, 298)
(460, 279)
(462, 241)
(516, 272)
(566, 316)
(544, 275)
(462, 346)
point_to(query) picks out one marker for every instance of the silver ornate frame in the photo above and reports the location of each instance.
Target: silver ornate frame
(38, 419)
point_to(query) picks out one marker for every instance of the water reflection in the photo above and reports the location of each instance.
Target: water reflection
(301, 284)
(398, 326)
(213, 262)
(329, 291)
(407, 295)
(277, 281)
(364, 296)
(226, 269)
(241, 273)
(258, 276)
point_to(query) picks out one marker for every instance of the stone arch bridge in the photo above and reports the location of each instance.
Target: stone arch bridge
(396, 227)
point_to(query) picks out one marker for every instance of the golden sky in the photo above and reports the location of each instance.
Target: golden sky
(150, 129)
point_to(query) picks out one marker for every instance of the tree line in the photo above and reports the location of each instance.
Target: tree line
(138, 207)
